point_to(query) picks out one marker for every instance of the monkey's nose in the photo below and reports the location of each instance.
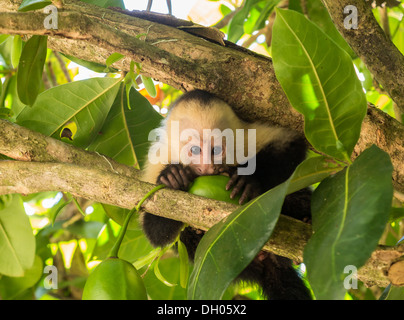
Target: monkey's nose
(204, 170)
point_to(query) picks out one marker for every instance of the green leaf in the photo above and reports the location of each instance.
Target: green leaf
(149, 86)
(184, 264)
(147, 259)
(17, 243)
(395, 293)
(312, 170)
(236, 26)
(134, 245)
(113, 58)
(11, 287)
(119, 214)
(60, 207)
(28, 5)
(29, 75)
(158, 274)
(318, 14)
(159, 291)
(264, 14)
(124, 136)
(16, 51)
(107, 3)
(320, 81)
(230, 245)
(96, 67)
(5, 113)
(85, 102)
(3, 37)
(350, 211)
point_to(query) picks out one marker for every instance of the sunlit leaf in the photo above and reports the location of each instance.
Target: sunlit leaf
(28, 5)
(230, 245)
(11, 287)
(149, 85)
(184, 264)
(125, 135)
(16, 51)
(86, 103)
(17, 243)
(30, 68)
(319, 80)
(350, 211)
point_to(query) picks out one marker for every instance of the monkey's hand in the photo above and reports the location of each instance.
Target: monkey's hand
(176, 176)
(247, 186)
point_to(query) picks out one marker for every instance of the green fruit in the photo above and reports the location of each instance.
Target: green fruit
(114, 279)
(213, 187)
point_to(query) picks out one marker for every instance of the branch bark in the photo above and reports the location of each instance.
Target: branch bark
(372, 45)
(20, 143)
(242, 78)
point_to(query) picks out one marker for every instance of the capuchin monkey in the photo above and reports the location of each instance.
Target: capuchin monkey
(201, 135)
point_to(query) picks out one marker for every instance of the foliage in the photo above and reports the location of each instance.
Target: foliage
(351, 204)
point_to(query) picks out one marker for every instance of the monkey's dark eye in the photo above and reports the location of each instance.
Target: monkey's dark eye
(195, 150)
(216, 150)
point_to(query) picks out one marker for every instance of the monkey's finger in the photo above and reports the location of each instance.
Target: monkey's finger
(173, 181)
(232, 181)
(178, 177)
(246, 193)
(165, 181)
(237, 188)
(185, 180)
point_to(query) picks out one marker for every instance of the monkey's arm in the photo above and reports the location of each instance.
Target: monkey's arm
(162, 231)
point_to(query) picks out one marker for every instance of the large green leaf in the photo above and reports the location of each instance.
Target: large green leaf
(218, 261)
(350, 211)
(12, 287)
(28, 5)
(17, 242)
(230, 245)
(124, 136)
(236, 26)
(320, 81)
(157, 290)
(29, 75)
(134, 245)
(84, 103)
(311, 171)
(317, 13)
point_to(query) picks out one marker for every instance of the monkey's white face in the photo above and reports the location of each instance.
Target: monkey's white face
(207, 157)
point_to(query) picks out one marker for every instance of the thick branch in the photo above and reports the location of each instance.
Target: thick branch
(20, 143)
(242, 78)
(372, 45)
(111, 188)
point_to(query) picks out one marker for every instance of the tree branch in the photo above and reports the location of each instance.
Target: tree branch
(242, 78)
(372, 45)
(20, 143)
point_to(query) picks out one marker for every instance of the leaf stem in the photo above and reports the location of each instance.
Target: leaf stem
(114, 251)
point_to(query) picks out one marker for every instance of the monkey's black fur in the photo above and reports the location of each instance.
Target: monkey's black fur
(274, 164)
